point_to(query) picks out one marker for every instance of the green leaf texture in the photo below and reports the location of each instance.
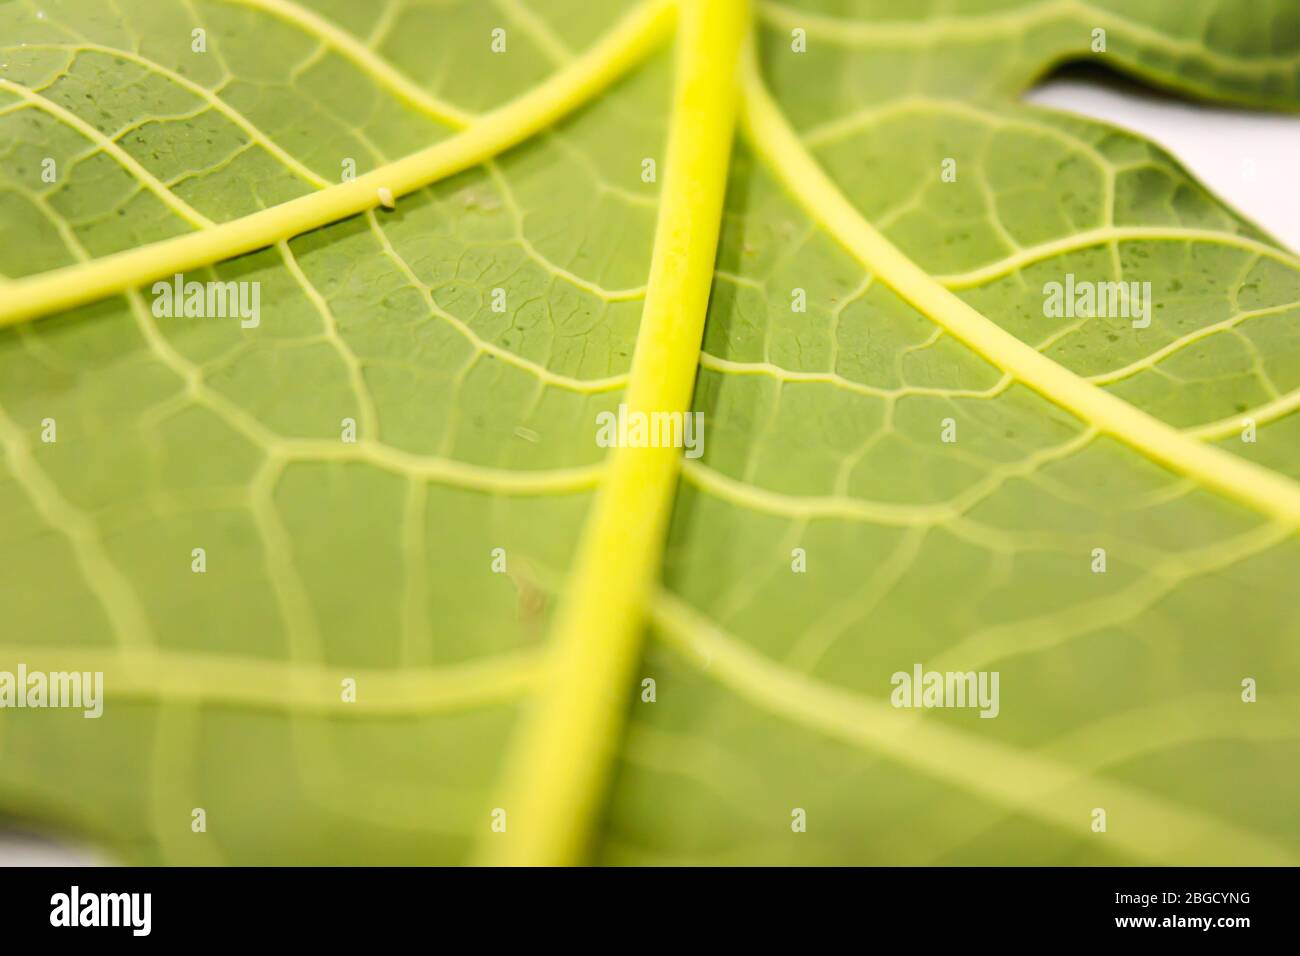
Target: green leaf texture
(373, 561)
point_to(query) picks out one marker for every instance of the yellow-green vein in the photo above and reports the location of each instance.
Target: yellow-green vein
(289, 686)
(630, 41)
(1154, 830)
(558, 769)
(361, 56)
(777, 143)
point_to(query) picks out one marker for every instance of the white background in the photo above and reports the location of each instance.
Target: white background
(1249, 159)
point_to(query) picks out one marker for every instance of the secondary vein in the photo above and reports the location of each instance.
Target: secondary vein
(772, 137)
(624, 46)
(1159, 830)
(361, 56)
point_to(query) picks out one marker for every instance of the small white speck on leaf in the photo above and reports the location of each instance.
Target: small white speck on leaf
(386, 198)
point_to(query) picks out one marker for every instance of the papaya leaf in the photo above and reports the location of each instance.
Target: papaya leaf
(311, 315)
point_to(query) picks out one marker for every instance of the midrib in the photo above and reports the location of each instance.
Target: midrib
(561, 759)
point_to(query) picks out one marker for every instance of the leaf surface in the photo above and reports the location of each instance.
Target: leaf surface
(523, 171)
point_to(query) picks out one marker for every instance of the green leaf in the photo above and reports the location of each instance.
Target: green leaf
(498, 588)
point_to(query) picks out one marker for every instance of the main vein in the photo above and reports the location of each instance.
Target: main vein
(624, 46)
(772, 137)
(561, 760)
